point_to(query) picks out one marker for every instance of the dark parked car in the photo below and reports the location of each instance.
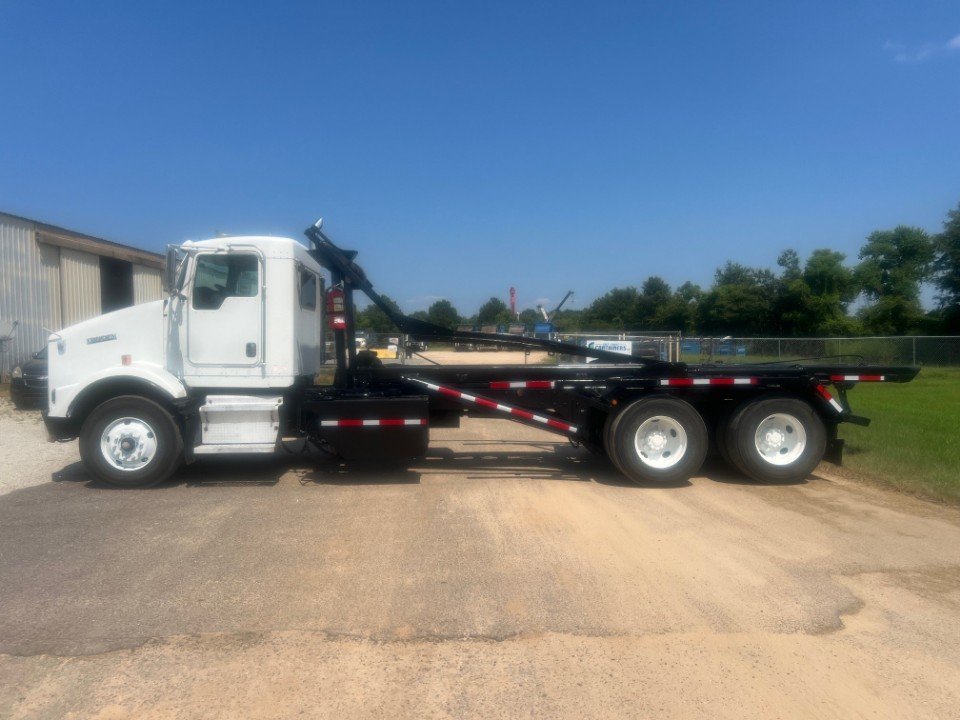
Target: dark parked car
(28, 384)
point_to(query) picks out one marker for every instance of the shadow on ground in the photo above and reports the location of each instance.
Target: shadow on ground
(521, 459)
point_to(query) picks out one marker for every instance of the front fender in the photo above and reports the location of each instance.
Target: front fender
(154, 378)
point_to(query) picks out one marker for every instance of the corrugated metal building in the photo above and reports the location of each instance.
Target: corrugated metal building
(51, 277)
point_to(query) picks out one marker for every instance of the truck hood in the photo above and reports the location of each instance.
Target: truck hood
(102, 342)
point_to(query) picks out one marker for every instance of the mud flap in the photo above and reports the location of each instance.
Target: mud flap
(834, 451)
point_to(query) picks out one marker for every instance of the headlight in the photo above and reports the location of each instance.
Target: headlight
(17, 372)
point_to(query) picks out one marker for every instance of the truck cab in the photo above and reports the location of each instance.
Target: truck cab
(214, 362)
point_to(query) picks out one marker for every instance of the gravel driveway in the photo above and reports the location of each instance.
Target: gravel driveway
(26, 458)
(505, 575)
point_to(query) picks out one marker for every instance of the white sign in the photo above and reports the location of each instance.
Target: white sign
(624, 347)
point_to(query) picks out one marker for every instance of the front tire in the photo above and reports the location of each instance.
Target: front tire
(658, 439)
(776, 439)
(131, 441)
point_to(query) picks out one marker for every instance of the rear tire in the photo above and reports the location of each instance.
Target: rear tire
(723, 445)
(658, 439)
(608, 445)
(776, 439)
(131, 441)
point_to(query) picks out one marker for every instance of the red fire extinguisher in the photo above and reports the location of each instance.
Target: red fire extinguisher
(336, 312)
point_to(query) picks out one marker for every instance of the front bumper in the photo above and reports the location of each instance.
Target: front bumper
(27, 395)
(59, 428)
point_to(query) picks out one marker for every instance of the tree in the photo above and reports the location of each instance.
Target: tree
(947, 272)
(443, 313)
(530, 317)
(893, 264)
(833, 286)
(569, 321)
(680, 310)
(616, 310)
(792, 295)
(493, 312)
(813, 300)
(789, 260)
(654, 296)
(741, 301)
(374, 319)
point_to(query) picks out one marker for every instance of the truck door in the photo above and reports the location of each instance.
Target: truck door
(225, 322)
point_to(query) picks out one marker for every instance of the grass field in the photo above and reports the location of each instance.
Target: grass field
(913, 442)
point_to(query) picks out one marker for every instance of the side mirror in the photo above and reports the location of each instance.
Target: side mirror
(170, 269)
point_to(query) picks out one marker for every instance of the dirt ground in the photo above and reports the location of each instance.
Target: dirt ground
(505, 575)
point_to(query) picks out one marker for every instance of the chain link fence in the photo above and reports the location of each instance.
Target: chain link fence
(905, 350)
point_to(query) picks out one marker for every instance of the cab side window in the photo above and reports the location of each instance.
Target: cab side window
(308, 290)
(221, 276)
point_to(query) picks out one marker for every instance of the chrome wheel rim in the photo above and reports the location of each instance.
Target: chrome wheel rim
(128, 444)
(660, 442)
(780, 439)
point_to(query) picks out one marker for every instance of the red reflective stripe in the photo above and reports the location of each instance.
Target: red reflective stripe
(485, 402)
(825, 394)
(857, 378)
(393, 421)
(702, 382)
(499, 385)
(350, 423)
(539, 384)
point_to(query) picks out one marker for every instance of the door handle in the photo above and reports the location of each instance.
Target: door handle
(251, 350)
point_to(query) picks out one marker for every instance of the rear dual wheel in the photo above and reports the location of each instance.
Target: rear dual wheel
(773, 439)
(657, 439)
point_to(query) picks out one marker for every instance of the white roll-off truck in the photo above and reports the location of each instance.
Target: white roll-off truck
(226, 364)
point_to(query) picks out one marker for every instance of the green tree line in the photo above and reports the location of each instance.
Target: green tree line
(804, 297)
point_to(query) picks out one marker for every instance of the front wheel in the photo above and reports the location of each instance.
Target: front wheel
(658, 439)
(777, 439)
(130, 441)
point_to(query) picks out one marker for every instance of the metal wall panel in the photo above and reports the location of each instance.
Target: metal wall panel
(29, 291)
(50, 277)
(79, 285)
(147, 284)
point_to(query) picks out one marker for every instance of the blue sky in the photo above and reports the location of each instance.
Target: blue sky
(467, 147)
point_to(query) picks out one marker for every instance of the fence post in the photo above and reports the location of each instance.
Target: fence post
(914, 349)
